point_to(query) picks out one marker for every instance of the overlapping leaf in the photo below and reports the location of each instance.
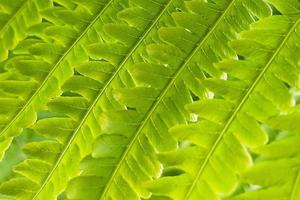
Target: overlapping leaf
(85, 95)
(257, 88)
(106, 80)
(15, 18)
(275, 174)
(42, 62)
(124, 154)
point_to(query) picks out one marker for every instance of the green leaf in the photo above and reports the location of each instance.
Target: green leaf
(178, 53)
(85, 111)
(276, 170)
(18, 16)
(46, 62)
(239, 106)
(160, 99)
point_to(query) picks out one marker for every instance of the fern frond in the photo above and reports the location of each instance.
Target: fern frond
(257, 88)
(125, 150)
(74, 133)
(275, 174)
(15, 18)
(40, 66)
(115, 78)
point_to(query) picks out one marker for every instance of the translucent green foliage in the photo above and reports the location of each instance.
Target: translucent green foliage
(158, 99)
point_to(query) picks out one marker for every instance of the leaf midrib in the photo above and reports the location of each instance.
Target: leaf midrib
(295, 186)
(53, 70)
(90, 109)
(14, 16)
(160, 98)
(239, 107)
(108, 185)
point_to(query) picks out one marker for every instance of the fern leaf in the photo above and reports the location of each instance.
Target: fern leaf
(265, 48)
(16, 18)
(275, 173)
(116, 78)
(75, 132)
(125, 134)
(42, 65)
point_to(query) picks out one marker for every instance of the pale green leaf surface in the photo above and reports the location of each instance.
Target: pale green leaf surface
(122, 73)
(46, 62)
(275, 174)
(262, 96)
(87, 128)
(16, 17)
(179, 48)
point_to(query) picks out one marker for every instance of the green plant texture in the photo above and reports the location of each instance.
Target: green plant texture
(150, 99)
